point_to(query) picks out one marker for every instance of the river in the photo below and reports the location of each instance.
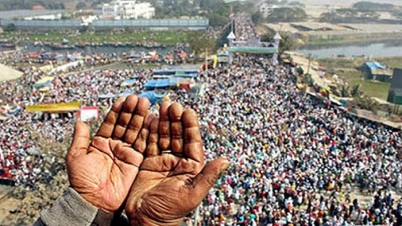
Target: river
(388, 48)
(375, 49)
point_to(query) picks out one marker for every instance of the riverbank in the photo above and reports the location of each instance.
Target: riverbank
(319, 43)
(169, 38)
(350, 39)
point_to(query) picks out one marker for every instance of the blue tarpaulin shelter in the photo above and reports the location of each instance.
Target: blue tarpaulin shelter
(152, 96)
(174, 81)
(126, 93)
(135, 77)
(190, 75)
(44, 82)
(160, 83)
(164, 72)
(133, 55)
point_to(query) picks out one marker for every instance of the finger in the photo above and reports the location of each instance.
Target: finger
(164, 126)
(207, 178)
(176, 128)
(137, 120)
(125, 115)
(152, 149)
(80, 142)
(107, 127)
(141, 143)
(193, 148)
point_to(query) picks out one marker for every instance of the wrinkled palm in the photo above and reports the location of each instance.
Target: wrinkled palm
(173, 179)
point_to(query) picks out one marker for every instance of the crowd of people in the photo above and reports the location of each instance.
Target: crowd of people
(295, 160)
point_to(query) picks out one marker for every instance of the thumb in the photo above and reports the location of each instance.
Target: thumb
(80, 142)
(208, 177)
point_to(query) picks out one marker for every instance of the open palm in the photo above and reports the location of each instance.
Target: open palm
(173, 179)
(103, 171)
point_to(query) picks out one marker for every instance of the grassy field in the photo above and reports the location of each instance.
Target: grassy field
(347, 69)
(165, 37)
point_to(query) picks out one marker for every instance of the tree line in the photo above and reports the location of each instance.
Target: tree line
(28, 4)
(361, 12)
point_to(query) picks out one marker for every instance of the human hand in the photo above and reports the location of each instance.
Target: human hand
(170, 185)
(102, 172)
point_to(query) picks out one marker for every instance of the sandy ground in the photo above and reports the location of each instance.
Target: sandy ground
(6, 203)
(8, 73)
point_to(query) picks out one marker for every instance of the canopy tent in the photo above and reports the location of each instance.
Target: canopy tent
(135, 77)
(60, 107)
(125, 93)
(194, 75)
(160, 83)
(175, 81)
(46, 56)
(106, 96)
(128, 82)
(164, 72)
(45, 81)
(134, 55)
(152, 96)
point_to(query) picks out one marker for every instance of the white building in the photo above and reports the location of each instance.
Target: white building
(128, 9)
(266, 9)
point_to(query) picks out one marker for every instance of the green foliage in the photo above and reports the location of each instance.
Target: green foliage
(367, 103)
(10, 27)
(217, 11)
(257, 17)
(24, 4)
(80, 5)
(222, 40)
(373, 6)
(199, 42)
(299, 70)
(308, 79)
(287, 14)
(349, 15)
(287, 43)
(356, 92)
(344, 91)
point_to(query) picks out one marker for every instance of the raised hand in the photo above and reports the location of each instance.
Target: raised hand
(103, 171)
(173, 179)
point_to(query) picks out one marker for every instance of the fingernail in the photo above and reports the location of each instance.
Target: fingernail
(224, 166)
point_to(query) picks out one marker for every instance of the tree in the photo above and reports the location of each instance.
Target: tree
(344, 91)
(356, 92)
(10, 27)
(80, 5)
(287, 42)
(199, 42)
(373, 6)
(257, 17)
(308, 79)
(287, 14)
(297, 4)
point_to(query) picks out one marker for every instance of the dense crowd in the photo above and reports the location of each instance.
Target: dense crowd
(295, 160)
(19, 146)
